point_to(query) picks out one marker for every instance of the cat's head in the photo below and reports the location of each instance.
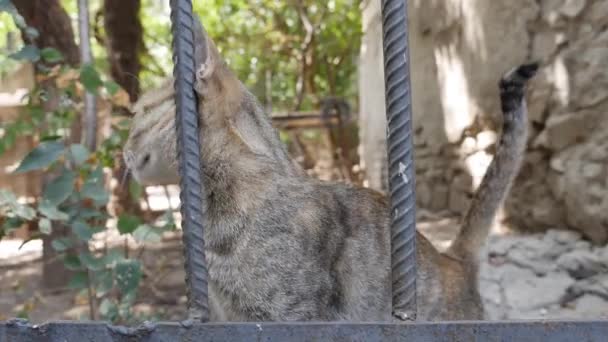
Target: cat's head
(233, 124)
(150, 152)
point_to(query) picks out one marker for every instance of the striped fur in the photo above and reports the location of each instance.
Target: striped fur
(283, 246)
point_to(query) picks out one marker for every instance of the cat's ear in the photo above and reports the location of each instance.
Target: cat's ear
(206, 56)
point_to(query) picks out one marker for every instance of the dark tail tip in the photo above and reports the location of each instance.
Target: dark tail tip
(512, 86)
(519, 75)
(529, 70)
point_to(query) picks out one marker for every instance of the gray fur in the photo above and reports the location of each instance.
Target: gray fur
(283, 246)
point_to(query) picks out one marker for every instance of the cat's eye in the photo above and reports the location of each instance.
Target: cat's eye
(145, 160)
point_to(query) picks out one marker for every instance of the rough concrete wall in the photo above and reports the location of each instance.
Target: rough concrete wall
(372, 108)
(459, 49)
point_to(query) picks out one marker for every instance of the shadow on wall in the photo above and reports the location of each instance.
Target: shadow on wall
(459, 50)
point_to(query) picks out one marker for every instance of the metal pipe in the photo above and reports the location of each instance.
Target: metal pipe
(400, 158)
(190, 164)
(19, 330)
(86, 57)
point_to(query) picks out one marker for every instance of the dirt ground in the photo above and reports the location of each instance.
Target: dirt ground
(550, 275)
(161, 296)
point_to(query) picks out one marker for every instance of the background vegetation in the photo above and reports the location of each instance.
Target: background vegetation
(291, 54)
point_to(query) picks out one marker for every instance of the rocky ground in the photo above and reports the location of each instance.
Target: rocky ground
(550, 275)
(555, 274)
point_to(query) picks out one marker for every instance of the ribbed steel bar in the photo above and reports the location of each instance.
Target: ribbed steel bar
(190, 165)
(400, 157)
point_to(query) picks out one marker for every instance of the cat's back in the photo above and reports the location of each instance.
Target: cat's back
(312, 251)
(362, 258)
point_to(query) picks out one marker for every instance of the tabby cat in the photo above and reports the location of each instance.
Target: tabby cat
(283, 246)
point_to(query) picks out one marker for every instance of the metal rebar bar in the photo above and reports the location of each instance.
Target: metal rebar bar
(190, 165)
(400, 158)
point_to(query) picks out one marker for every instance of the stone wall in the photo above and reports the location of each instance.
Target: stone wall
(459, 49)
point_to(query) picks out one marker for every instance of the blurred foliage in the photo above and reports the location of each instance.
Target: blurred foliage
(270, 44)
(258, 38)
(77, 195)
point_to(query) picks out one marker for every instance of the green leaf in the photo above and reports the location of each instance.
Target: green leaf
(61, 244)
(28, 53)
(6, 6)
(124, 124)
(125, 306)
(128, 275)
(105, 282)
(51, 212)
(96, 176)
(166, 222)
(108, 310)
(112, 87)
(41, 156)
(94, 188)
(24, 211)
(135, 190)
(7, 197)
(127, 223)
(91, 262)
(79, 153)
(72, 262)
(82, 230)
(31, 32)
(79, 280)
(90, 78)
(113, 256)
(51, 55)
(60, 189)
(96, 192)
(45, 227)
(11, 223)
(85, 213)
(145, 233)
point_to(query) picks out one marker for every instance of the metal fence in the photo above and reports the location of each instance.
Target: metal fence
(287, 332)
(401, 183)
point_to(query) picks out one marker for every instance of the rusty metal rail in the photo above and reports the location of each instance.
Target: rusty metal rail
(304, 120)
(402, 195)
(537, 331)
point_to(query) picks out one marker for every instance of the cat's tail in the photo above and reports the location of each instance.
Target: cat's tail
(503, 169)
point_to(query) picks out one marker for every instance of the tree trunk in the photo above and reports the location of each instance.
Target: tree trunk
(55, 30)
(54, 25)
(124, 42)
